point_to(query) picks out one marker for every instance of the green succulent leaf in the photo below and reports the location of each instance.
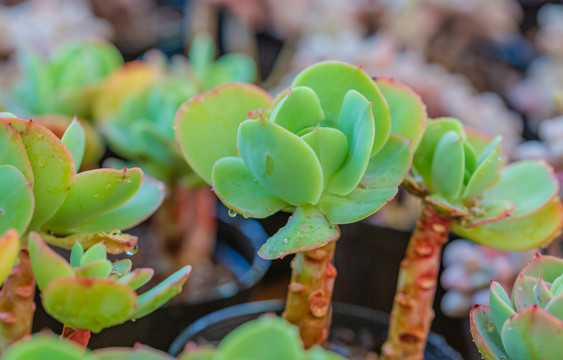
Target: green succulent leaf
(549, 268)
(95, 269)
(94, 253)
(318, 353)
(306, 229)
(137, 209)
(211, 120)
(555, 307)
(294, 176)
(517, 234)
(298, 110)
(424, 155)
(45, 347)
(448, 165)
(235, 185)
(53, 169)
(121, 267)
(488, 211)
(330, 146)
(162, 293)
(230, 68)
(16, 200)
(268, 337)
(390, 165)
(454, 207)
(541, 292)
(139, 352)
(485, 335)
(487, 170)
(408, 112)
(137, 278)
(199, 354)
(355, 206)
(9, 249)
(94, 193)
(12, 150)
(356, 122)
(201, 53)
(32, 91)
(533, 334)
(47, 265)
(76, 254)
(89, 303)
(529, 185)
(501, 307)
(75, 140)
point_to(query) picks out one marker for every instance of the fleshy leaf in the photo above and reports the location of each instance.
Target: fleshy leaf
(518, 234)
(485, 335)
(138, 352)
(137, 209)
(53, 169)
(94, 253)
(501, 307)
(45, 347)
(76, 254)
(548, 267)
(330, 146)
(448, 164)
(300, 109)
(95, 269)
(47, 265)
(268, 337)
(488, 211)
(16, 200)
(9, 248)
(137, 278)
(390, 165)
(294, 176)
(161, 293)
(306, 229)
(115, 242)
(89, 303)
(121, 267)
(356, 122)
(529, 185)
(235, 185)
(555, 307)
(211, 120)
(355, 206)
(94, 193)
(542, 294)
(75, 140)
(12, 150)
(487, 170)
(408, 112)
(533, 334)
(455, 207)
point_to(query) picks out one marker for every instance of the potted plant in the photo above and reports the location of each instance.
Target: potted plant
(529, 324)
(44, 200)
(465, 188)
(331, 150)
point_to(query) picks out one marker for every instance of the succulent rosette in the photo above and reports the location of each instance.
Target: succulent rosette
(331, 150)
(91, 293)
(42, 192)
(528, 325)
(66, 83)
(463, 174)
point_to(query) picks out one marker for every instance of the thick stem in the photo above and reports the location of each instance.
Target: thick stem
(412, 308)
(16, 303)
(310, 293)
(79, 336)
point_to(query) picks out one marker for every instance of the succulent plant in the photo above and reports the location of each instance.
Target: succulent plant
(41, 194)
(527, 326)
(331, 150)
(64, 84)
(91, 292)
(466, 189)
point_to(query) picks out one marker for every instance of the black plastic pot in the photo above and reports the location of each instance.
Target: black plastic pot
(238, 241)
(360, 320)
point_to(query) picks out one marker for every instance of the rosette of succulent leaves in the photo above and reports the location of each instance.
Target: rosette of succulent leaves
(528, 325)
(331, 150)
(467, 189)
(265, 338)
(43, 199)
(65, 84)
(135, 113)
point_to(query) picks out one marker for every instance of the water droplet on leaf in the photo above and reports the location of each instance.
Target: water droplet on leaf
(232, 213)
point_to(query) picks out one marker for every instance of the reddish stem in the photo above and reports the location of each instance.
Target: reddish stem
(16, 303)
(79, 336)
(412, 308)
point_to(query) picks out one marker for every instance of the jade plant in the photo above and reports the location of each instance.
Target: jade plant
(42, 198)
(265, 338)
(135, 113)
(331, 150)
(528, 325)
(466, 188)
(64, 84)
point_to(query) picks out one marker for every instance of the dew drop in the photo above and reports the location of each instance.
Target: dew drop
(285, 241)
(232, 213)
(133, 251)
